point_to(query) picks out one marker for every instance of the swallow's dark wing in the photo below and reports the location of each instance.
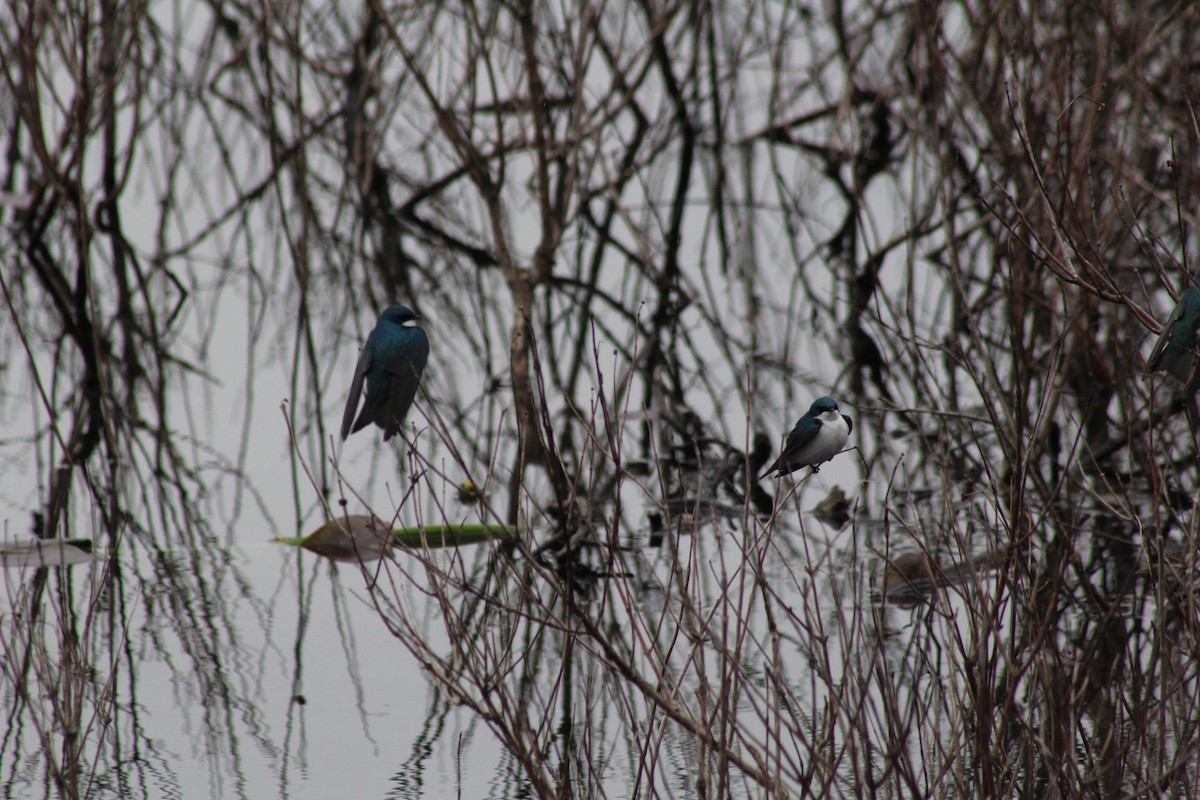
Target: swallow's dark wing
(1176, 350)
(801, 435)
(1164, 338)
(356, 387)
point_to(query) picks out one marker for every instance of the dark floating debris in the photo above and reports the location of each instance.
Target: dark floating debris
(907, 497)
(834, 510)
(709, 479)
(910, 579)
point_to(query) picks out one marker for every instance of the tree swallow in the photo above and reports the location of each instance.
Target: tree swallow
(1179, 343)
(392, 362)
(818, 436)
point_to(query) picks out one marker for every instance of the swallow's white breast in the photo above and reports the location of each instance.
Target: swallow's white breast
(830, 439)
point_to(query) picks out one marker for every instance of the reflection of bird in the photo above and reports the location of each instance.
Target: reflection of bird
(392, 362)
(818, 436)
(1176, 349)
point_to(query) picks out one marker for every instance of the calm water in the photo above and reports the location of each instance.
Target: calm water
(260, 669)
(276, 679)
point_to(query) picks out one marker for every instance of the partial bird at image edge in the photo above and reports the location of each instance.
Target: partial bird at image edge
(1178, 346)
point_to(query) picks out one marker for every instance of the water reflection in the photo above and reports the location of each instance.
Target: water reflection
(281, 669)
(643, 231)
(275, 682)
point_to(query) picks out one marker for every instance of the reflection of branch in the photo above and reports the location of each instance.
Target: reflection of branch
(659, 358)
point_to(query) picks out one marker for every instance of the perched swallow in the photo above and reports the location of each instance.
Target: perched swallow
(1179, 343)
(818, 436)
(392, 361)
